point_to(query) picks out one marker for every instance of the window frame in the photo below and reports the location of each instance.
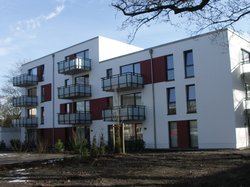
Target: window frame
(187, 65)
(169, 103)
(188, 100)
(169, 69)
(133, 68)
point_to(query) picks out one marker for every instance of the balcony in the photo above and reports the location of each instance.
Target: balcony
(74, 66)
(124, 114)
(122, 82)
(25, 80)
(25, 122)
(78, 118)
(247, 107)
(74, 91)
(246, 73)
(24, 101)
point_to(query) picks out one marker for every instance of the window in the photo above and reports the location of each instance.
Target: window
(82, 80)
(173, 134)
(83, 54)
(32, 92)
(171, 101)
(133, 68)
(193, 133)
(32, 71)
(109, 102)
(183, 134)
(247, 91)
(46, 93)
(66, 82)
(191, 98)
(82, 106)
(42, 115)
(131, 99)
(170, 67)
(31, 112)
(245, 57)
(189, 64)
(109, 73)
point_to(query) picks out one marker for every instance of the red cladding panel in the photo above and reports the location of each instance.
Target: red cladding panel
(159, 66)
(62, 108)
(40, 70)
(146, 71)
(183, 134)
(96, 107)
(47, 92)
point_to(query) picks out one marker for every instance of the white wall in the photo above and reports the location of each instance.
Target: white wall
(218, 88)
(236, 44)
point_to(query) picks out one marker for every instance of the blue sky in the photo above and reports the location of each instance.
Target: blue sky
(30, 29)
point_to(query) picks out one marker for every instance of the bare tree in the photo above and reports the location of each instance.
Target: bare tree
(8, 91)
(205, 14)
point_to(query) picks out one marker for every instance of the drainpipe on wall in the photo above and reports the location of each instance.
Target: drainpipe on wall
(53, 101)
(153, 95)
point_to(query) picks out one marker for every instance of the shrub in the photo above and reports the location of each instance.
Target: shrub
(2, 146)
(94, 150)
(102, 146)
(83, 149)
(59, 146)
(16, 145)
(41, 146)
(135, 145)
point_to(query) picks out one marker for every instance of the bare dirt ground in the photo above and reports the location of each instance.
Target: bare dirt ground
(187, 168)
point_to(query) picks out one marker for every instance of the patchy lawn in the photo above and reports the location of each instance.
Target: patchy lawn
(188, 168)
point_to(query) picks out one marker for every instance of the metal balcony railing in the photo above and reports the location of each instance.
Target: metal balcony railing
(78, 118)
(74, 91)
(122, 82)
(123, 114)
(25, 122)
(74, 66)
(24, 101)
(25, 80)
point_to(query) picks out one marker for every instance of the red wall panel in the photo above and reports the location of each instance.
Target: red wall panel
(183, 134)
(96, 107)
(146, 71)
(47, 92)
(159, 67)
(62, 108)
(40, 71)
(60, 134)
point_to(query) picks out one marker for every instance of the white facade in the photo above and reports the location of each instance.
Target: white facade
(220, 93)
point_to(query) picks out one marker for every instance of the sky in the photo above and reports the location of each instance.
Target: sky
(30, 29)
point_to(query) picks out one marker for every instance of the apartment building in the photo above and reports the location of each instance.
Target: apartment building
(187, 94)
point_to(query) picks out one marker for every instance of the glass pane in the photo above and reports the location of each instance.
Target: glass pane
(173, 134)
(170, 75)
(171, 94)
(170, 62)
(137, 68)
(189, 58)
(245, 57)
(190, 71)
(138, 99)
(80, 106)
(127, 68)
(193, 133)
(128, 99)
(191, 92)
